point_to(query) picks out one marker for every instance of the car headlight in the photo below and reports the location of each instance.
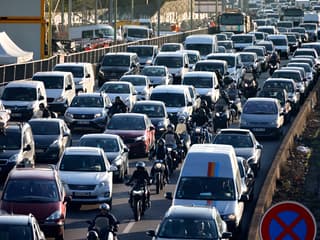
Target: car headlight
(54, 216)
(104, 184)
(140, 138)
(14, 158)
(97, 115)
(68, 114)
(59, 99)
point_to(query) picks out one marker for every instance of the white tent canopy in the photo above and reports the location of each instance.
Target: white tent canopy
(10, 53)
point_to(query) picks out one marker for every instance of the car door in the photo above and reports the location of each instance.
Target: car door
(69, 88)
(28, 145)
(66, 135)
(89, 77)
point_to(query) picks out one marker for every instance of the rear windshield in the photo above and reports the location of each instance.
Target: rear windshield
(170, 62)
(76, 71)
(170, 99)
(198, 81)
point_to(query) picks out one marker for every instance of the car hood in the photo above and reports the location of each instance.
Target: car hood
(4, 154)
(41, 210)
(54, 93)
(83, 110)
(144, 59)
(176, 109)
(45, 140)
(126, 133)
(204, 91)
(87, 178)
(139, 89)
(244, 152)
(224, 207)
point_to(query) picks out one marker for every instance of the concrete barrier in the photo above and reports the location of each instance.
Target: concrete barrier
(267, 191)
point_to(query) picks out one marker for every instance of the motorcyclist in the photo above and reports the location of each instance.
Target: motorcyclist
(171, 137)
(43, 112)
(274, 59)
(111, 219)
(200, 118)
(160, 154)
(183, 130)
(141, 177)
(118, 106)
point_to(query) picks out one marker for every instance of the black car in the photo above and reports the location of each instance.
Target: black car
(51, 136)
(18, 226)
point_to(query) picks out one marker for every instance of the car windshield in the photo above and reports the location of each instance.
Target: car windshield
(229, 59)
(170, 62)
(304, 53)
(193, 58)
(274, 94)
(31, 190)
(116, 60)
(199, 81)
(279, 84)
(279, 41)
(269, 47)
(121, 123)
(151, 111)
(82, 163)
(170, 99)
(19, 94)
(45, 128)
(170, 48)
(136, 81)
(206, 188)
(306, 67)
(107, 144)
(115, 88)
(50, 82)
(226, 44)
(310, 26)
(10, 140)
(188, 228)
(259, 52)
(154, 71)
(299, 30)
(12, 232)
(260, 107)
(76, 71)
(138, 33)
(204, 49)
(91, 102)
(141, 51)
(236, 140)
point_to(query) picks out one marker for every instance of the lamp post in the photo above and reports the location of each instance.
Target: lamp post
(191, 14)
(115, 9)
(158, 1)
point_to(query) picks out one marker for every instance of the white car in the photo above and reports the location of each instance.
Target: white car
(86, 175)
(141, 84)
(125, 90)
(158, 75)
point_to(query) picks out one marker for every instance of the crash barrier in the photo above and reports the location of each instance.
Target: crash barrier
(26, 70)
(267, 191)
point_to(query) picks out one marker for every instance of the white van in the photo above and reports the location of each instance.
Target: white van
(204, 43)
(91, 32)
(23, 98)
(205, 83)
(60, 88)
(210, 176)
(133, 33)
(83, 75)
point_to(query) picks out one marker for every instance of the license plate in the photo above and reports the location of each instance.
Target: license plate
(16, 114)
(84, 123)
(81, 194)
(258, 129)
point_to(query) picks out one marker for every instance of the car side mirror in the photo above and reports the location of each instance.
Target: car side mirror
(259, 146)
(27, 148)
(67, 199)
(226, 235)
(113, 168)
(244, 198)
(125, 149)
(168, 195)
(151, 233)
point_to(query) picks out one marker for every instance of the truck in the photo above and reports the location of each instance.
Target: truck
(234, 20)
(311, 17)
(294, 14)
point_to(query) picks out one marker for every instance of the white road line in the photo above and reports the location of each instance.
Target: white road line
(128, 227)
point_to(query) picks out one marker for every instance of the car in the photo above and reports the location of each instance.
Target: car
(302, 31)
(125, 90)
(262, 55)
(212, 65)
(263, 116)
(242, 40)
(260, 36)
(292, 41)
(305, 52)
(171, 47)
(146, 53)
(245, 144)
(310, 73)
(17, 147)
(86, 175)
(314, 45)
(268, 45)
(194, 56)
(114, 148)
(141, 84)
(38, 191)
(221, 36)
(156, 111)
(51, 137)
(228, 44)
(281, 45)
(20, 226)
(89, 111)
(158, 75)
(195, 97)
(247, 176)
(250, 60)
(282, 96)
(191, 222)
(136, 131)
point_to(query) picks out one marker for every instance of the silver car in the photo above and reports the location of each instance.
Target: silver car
(245, 144)
(158, 75)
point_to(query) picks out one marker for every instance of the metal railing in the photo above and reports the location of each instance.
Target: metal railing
(26, 70)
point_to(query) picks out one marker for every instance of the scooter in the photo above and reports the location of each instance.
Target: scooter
(249, 85)
(100, 227)
(221, 117)
(273, 67)
(158, 170)
(138, 200)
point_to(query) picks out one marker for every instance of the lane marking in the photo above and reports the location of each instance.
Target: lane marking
(128, 227)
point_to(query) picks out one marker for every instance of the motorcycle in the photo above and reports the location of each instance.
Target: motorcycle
(138, 200)
(221, 118)
(249, 85)
(171, 158)
(158, 170)
(197, 135)
(235, 99)
(273, 67)
(100, 227)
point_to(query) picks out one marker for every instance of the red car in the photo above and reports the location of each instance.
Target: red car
(40, 192)
(136, 131)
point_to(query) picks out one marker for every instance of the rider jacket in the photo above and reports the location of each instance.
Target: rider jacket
(200, 117)
(113, 221)
(140, 176)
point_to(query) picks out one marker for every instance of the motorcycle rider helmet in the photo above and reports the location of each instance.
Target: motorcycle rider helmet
(104, 207)
(92, 235)
(227, 80)
(170, 127)
(182, 119)
(203, 103)
(140, 165)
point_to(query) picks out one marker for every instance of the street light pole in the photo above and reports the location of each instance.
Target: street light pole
(191, 14)
(115, 7)
(158, 17)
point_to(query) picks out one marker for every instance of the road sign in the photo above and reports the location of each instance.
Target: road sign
(288, 221)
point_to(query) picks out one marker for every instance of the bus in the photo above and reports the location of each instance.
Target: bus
(233, 20)
(293, 14)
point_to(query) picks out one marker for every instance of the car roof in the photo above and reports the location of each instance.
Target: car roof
(168, 88)
(130, 114)
(77, 150)
(16, 219)
(234, 131)
(176, 53)
(52, 73)
(199, 73)
(120, 54)
(150, 102)
(264, 99)
(198, 212)
(280, 79)
(100, 136)
(23, 83)
(223, 62)
(32, 173)
(94, 94)
(79, 64)
(57, 120)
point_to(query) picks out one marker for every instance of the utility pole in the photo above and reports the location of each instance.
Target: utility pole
(191, 14)
(158, 1)
(115, 9)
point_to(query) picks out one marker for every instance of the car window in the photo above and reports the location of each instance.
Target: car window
(95, 102)
(82, 163)
(31, 190)
(9, 232)
(45, 128)
(260, 107)
(121, 123)
(108, 145)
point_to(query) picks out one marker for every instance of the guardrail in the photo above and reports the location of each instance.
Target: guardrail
(267, 191)
(26, 70)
